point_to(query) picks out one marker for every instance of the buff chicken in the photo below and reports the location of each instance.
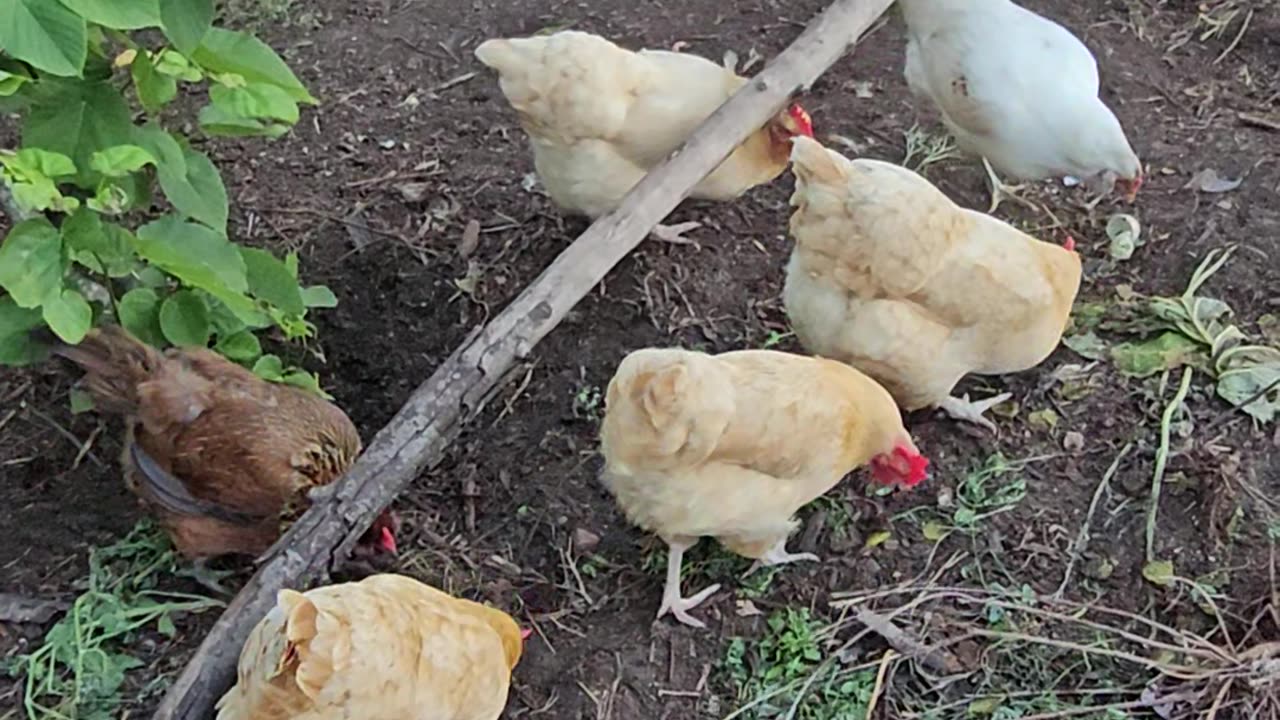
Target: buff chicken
(1018, 89)
(221, 457)
(890, 276)
(599, 117)
(733, 445)
(385, 648)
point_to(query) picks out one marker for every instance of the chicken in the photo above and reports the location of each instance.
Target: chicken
(385, 648)
(890, 276)
(1019, 90)
(219, 455)
(599, 117)
(732, 445)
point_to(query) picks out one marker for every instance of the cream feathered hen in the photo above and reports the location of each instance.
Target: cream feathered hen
(893, 278)
(599, 117)
(385, 648)
(1018, 89)
(732, 445)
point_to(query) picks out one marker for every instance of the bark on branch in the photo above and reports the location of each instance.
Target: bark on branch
(416, 437)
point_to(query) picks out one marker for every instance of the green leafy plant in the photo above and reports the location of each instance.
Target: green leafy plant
(79, 669)
(89, 239)
(770, 674)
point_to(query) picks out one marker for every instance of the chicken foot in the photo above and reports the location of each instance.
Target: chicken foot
(778, 555)
(675, 233)
(207, 577)
(967, 410)
(1000, 191)
(672, 601)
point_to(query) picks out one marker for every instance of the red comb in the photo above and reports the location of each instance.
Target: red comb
(387, 540)
(802, 119)
(1069, 244)
(917, 465)
(525, 633)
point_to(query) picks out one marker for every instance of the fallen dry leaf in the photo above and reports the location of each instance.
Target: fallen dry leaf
(1208, 180)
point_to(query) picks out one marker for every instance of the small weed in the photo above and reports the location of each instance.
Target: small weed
(981, 494)
(925, 149)
(77, 673)
(775, 339)
(769, 673)
(587, 402)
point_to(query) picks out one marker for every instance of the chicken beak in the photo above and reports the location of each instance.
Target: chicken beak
(525, 633)
(1131, 188)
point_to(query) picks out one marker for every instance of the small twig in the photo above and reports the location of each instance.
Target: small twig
(66, 434)
(899, 640)
(1162, 458)
(1244, 26)
(1082, 539)
(1259, 121)
(879, 686)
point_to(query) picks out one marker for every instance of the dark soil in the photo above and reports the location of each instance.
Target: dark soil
(414, 139)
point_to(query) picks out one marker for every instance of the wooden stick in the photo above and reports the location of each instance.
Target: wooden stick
(416, 437)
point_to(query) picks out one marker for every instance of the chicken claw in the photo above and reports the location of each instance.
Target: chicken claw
(208, 578)
(778, 555)
(675, 233)
(972, 410)
(999, 191)
(672, 602)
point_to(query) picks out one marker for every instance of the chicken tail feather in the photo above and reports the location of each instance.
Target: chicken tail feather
(115, 363)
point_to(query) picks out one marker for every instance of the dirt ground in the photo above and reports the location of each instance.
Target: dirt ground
(414, 139)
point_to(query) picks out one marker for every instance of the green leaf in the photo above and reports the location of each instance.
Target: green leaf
(120, 160)
(34, 163)
(1148, 357)
(228, 51)
(155, 90)
(31, 264)
(1087, 345)
(876, 539)
(45, 34)
(80, 400)
(318, 296)
(139, 313)
(194, 254)
(1158, 572)
(1254, 389)
(176, 65)
(307, 381)
(68, 314)
(118, 14)
(217, 122)
(269, 367)
(11, 82)
(184, 319)
(16, 345)
(77, 118)
(256, 100)
(101, 247)
(186, 22)
(189, 179)
(933, 531)
(270, 280)
(241, 347)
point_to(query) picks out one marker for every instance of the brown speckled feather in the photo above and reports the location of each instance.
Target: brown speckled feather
(231, 439)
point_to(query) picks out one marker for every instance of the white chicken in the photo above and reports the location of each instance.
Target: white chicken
(1018, 89)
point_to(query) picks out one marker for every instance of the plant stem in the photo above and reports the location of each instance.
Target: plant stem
(1162, 458)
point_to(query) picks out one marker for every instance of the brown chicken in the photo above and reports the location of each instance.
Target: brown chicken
(599, 117)
(732, 445)
(893, 278)
(385, 648)
(222, 457)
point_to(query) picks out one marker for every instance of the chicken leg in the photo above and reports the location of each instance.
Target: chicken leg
(999, 190)
(778, 555)
(675, 233)
(971, 410)
(672, 601)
